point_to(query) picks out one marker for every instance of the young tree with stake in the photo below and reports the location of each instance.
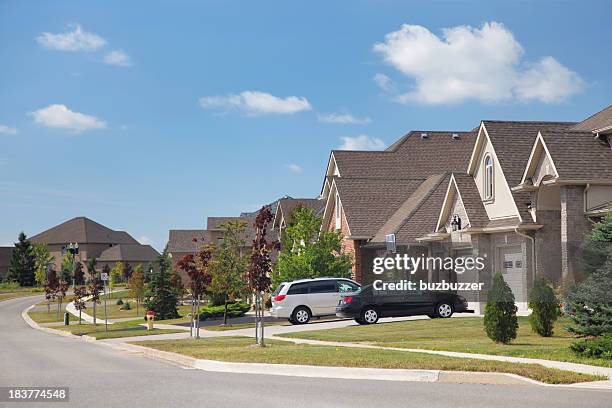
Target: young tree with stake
(95, 286)
(260, 268)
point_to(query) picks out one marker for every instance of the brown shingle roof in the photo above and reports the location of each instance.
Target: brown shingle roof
(471, 199)
(411, 157)
(129, 253)
(368, 203)
(579, 156)
(288, 205)
(409, 207)
(83, 230)
(182, 240)
(600, 121)
(513, 141)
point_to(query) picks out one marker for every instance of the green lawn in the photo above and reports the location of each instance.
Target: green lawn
(465, 334)
(42, 316)
(123, 329)
(17, 292)
(113, 310)
(241, 349)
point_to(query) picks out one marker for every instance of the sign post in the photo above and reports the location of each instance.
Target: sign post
(104, 277)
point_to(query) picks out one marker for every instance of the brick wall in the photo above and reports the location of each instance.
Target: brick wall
(574, 226)
(548, 245)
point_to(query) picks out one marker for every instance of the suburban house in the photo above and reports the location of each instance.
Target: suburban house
(95, 241)
(287, 205)
(5, 260)
(520, 195)
(184, 242)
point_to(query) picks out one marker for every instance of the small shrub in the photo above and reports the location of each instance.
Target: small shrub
(591, 304)
(127, 306)
(119, 301)
(544, 306)
(500, 319)
(237, 309)
(599, 347)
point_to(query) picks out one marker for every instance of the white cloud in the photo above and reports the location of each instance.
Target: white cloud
(296, 168)
(257, 103)
(343, 119)
(117, 57)
(76, 40)
(384, 82)
(59, 116)
(465, 63)
(7, 130)
(362, 142)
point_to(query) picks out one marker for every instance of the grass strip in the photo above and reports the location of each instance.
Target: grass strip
(242, 349)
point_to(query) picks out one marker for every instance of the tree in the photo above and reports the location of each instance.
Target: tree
(23, 263)
(127, 272)
(196, 268)
(229, 265)
(597, 248)
(62, 288)
(51, 287)
(161, 296)
(136, 283)
(67, 267)
(544, 306)
(95, 285)
(177, 283)
(79, 304)
(500, 320)
(306, 252)
(115, 274)
(591, 302)
(79, 274)
(260, 268)
(43, 261)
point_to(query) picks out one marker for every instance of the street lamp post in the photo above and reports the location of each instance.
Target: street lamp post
(73, 249)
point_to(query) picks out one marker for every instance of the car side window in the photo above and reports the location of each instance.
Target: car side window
(298, 289)
(346, 286)
(323, 287)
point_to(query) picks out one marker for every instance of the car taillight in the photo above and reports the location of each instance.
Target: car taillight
(347, 300)
(279, 298)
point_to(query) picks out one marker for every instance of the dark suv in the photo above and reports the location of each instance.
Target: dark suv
(368, 305)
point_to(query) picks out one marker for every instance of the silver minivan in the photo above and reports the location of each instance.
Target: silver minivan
(300, 300)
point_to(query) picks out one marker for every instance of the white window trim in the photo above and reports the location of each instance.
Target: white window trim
(488, 181)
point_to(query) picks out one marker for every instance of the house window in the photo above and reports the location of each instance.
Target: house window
(488, 177)
(338, 212)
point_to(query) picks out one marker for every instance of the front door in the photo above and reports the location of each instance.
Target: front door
(513, 271)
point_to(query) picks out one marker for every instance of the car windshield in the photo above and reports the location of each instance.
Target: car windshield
(277, 291)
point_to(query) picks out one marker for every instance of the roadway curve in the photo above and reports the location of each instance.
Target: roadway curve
(103, 377)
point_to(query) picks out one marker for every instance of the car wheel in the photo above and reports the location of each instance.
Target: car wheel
(358, 320)
(301, 315)
(444, 310)
(369, 315)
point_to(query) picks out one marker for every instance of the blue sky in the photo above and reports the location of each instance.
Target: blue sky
(147, 116)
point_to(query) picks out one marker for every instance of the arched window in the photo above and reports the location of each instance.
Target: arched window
(488, 177)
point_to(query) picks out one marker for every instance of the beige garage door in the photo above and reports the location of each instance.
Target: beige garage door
(513, 271)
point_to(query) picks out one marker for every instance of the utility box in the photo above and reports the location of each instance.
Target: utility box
(66, 319)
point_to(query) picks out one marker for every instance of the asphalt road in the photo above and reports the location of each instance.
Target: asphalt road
(103, 377)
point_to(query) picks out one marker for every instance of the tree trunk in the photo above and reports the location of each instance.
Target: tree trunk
(198, 319)
(80, 311)
(137, 307)
(59, 308)
(225, 312)
(49, 306)
(94, 316)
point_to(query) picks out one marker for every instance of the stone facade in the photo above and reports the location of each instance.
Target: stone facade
(574, 226)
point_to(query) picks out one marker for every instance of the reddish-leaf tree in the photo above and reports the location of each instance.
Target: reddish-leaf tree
(51, 288)
(95, 285)
(196, 268)
(62, 288)
(260, 268)
(79, 304)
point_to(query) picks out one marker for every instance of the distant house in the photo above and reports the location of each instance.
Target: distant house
(285, 207)
(5, 260)
(95, 241)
